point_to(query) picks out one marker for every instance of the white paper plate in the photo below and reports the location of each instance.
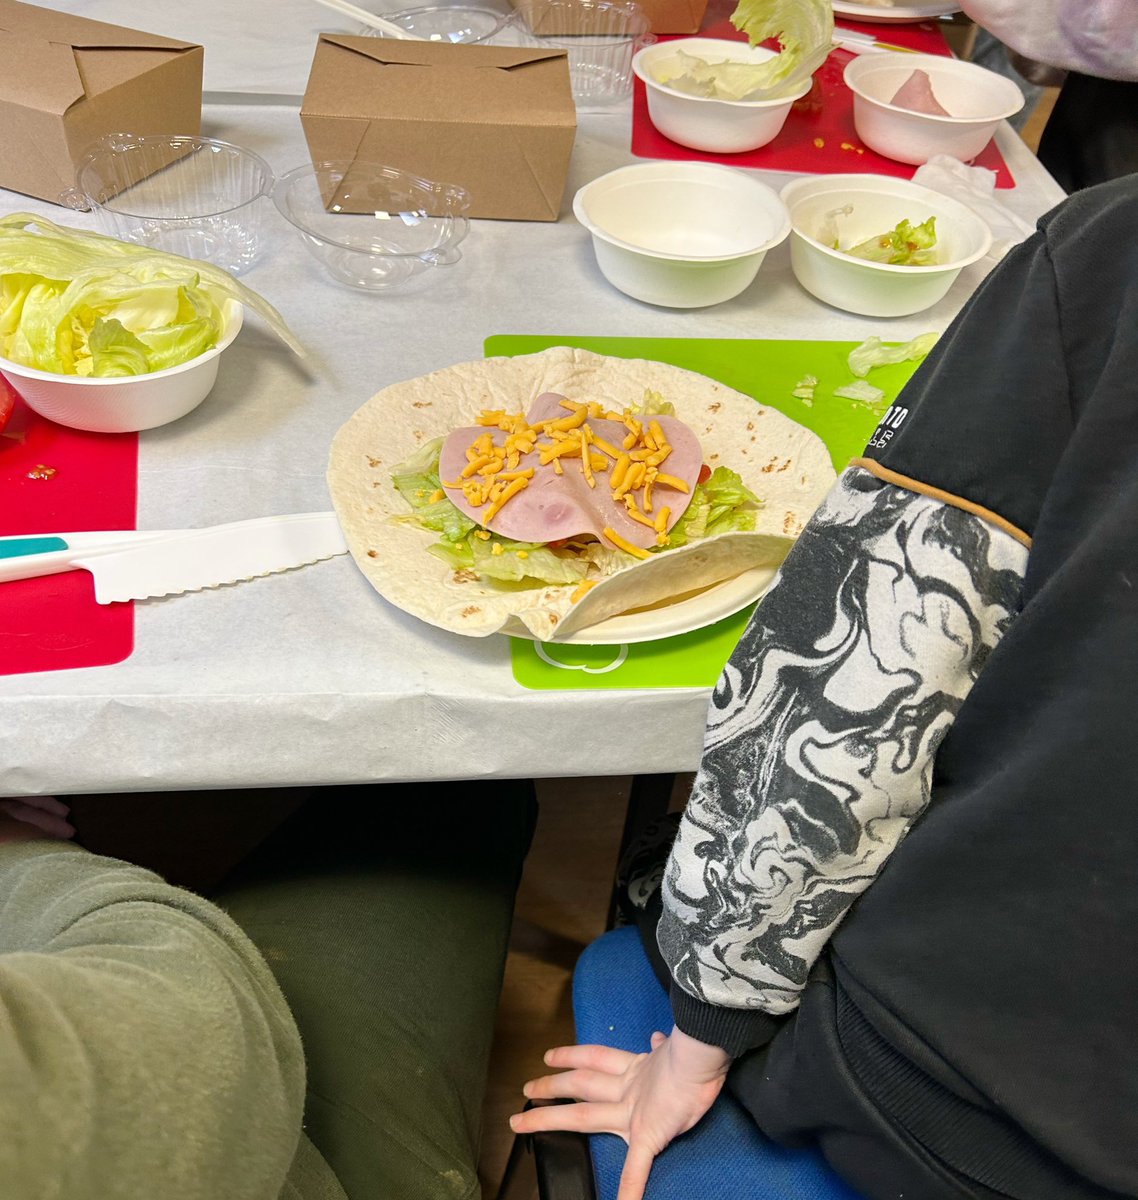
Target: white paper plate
(895, 14)
(669, 620)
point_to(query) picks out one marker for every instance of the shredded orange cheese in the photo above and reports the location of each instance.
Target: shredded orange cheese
(511, 490)
(672, 482)
(493, 474)
(636, 514)
(621, 544)
(584, 586)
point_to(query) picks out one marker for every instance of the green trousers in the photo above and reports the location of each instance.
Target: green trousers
(384, 914)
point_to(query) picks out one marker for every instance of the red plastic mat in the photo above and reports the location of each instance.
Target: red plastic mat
(59, 480)
(818, 137)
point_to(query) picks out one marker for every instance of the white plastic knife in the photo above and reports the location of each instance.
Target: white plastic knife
(139, 565)
(857, 42)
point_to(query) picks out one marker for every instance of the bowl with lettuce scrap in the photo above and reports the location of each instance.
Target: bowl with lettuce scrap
(877, 246)
(109, 336)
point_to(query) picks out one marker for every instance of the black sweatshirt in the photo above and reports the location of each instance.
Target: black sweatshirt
(932, 714)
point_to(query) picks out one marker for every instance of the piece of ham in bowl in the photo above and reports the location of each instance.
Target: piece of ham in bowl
(897, 97)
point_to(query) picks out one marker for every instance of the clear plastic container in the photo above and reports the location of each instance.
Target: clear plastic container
(370, 225)
(599, 36)
(486, 24)
(194, 196)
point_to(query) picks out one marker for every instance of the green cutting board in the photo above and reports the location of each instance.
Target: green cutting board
(767, 370)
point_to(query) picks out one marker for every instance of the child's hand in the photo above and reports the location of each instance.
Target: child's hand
(34, 817)
(647, 1099)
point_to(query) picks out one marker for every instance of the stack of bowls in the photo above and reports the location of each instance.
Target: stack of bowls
(680, 234)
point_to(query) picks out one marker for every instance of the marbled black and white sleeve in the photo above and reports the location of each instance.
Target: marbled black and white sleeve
(820, 742)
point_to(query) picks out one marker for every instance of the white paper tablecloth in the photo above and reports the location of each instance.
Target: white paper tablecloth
(310, 677)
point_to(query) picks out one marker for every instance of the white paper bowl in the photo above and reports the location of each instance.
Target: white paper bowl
(123, 404)
(879, 204)
(682, 235)
(704, 123)
(978, 99)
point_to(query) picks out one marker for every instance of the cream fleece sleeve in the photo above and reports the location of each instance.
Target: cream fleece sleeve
(1094, 37)
(146, 1052)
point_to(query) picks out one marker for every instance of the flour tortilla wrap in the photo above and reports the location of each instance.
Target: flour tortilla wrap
(785, 465)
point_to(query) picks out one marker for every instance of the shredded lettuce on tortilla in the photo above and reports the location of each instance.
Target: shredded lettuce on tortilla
(720, 504)
(653, 405)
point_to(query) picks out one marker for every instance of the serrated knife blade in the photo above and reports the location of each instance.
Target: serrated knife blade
(147, 564)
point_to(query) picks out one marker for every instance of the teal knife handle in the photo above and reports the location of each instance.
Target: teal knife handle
(18, 547)
(27, 557)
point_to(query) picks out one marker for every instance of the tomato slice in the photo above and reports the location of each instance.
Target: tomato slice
(704, 474)
(7, 401)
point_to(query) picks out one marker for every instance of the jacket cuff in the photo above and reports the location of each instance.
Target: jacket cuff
(735, 1030)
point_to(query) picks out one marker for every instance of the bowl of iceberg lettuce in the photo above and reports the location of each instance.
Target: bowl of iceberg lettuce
(109, 336)
(715, 95)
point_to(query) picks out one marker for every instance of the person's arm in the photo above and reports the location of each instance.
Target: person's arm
(145, 1049)
(817, 759)
(1094, 37)
(820, 743)
(826, 721)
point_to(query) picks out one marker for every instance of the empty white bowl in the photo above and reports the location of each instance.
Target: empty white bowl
(879, 204)
(123, 403)
(683, 235)
(978, 100)
(704, 122)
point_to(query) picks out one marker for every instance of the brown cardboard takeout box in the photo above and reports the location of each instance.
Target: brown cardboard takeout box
(66, 81)
(675, 16)
(497, 120)
(664, 16)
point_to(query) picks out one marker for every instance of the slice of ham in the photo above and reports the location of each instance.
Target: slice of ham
(552, 506)
(916, 94)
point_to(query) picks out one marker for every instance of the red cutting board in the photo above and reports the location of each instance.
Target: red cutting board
(59, 480)
(818, 137)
